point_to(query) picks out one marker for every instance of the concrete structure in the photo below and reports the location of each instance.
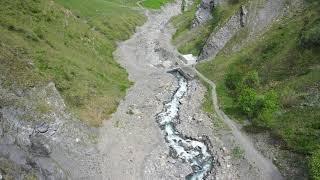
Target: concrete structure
(189, 59)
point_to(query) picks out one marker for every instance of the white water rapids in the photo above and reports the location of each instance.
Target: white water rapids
(195, 152)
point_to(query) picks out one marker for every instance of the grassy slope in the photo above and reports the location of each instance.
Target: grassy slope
(285, 66)
(191, 41)
(155, 4)
(42, 41)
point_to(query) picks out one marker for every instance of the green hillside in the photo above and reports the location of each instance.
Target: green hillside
(70, 43)
(275, 82)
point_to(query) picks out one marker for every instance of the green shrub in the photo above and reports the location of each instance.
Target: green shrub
(315, 165)
(233, 80)
(248, 100)
(266, 107)
(252, 79)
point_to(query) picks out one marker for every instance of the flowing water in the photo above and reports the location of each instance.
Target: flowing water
(190, 150)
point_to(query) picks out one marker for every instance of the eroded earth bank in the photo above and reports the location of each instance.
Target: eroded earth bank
(132, 144)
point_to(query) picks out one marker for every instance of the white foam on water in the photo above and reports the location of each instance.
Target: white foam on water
(196, 153)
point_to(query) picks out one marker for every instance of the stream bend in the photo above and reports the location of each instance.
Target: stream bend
(190, 150)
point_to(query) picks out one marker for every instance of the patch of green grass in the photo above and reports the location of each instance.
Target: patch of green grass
(315, 165)
(287, 61)
(70, 43)
(208, 107)
(43, 107)
(155, 4)
(237, 152)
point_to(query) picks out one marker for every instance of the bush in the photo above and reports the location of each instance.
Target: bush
(252, 79)
(233, 80)
(271, 101)
(248, 101)
(266, 107)
(314, 164)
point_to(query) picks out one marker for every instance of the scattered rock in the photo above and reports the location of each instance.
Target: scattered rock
(172, 161)
(133, 110)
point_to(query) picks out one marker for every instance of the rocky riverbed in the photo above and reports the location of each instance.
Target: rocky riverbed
(131, 142)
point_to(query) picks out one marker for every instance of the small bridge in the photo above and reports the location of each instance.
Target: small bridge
(186, 71)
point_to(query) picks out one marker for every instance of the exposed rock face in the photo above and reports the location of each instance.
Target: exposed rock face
(253, 17)
(203, 13)
(38, 137)
(218, 40)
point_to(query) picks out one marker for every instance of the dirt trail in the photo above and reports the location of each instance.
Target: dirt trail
(266, 167)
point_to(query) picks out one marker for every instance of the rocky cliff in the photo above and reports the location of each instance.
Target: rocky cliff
(250, 20)
(39, 139)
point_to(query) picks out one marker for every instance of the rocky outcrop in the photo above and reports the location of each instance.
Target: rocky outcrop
(218, 40)
(39, 139)
(203, 13)
(254, 16)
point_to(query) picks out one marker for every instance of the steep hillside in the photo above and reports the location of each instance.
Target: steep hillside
(56, 67)
(272, 83)
(42, 41)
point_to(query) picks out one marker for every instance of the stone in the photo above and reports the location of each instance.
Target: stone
(39, 145)
(42, 128)
(23, 140)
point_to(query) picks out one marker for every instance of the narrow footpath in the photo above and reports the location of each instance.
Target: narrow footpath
(266, 167)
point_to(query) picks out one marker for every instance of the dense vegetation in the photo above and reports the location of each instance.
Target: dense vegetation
(191, 41)
(275, 82)
(70, 43)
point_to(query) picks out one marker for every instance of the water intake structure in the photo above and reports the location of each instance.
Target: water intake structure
(190, 150)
